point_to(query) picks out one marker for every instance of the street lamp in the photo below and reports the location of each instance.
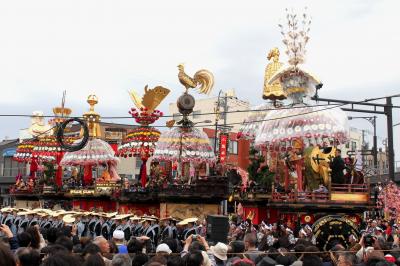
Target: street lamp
(372, 120)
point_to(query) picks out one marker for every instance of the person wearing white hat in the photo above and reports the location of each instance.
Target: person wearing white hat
(219, 251)
(163, 249)
(119, 239)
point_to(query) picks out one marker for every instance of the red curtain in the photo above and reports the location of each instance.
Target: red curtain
(59, 170)
(33, 168)
(143, 172)
(87, 175)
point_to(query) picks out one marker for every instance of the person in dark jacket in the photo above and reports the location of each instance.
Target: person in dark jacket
(337, 166)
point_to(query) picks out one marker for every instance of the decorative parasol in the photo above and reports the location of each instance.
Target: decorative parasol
(96, 152)
(315, 125)
(184, 145)
(140, 142)
(252, 123)
(24, 151)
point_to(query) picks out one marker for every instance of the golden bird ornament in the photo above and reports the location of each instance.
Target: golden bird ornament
(151, 97)
(203, 80)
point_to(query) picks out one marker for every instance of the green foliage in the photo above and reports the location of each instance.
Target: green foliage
(258, 171)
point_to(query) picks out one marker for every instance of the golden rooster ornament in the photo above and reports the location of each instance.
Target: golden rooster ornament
(203, 80)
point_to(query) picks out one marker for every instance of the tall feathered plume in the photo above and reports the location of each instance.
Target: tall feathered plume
(295, 36)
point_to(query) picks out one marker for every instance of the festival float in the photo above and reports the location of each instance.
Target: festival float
(187, 151)
(93, 168)
(298, 141)
(141, 141)
(44, 153)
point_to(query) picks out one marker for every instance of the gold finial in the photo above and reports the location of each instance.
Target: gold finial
(273, 91)
(92, 101)
(92, 118)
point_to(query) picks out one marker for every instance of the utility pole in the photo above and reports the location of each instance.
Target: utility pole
(225, 109)
(363, 146)
(389, 115)
(375, 142)
(217, 117)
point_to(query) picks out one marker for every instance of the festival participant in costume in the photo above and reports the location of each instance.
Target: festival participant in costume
(92, 222)
(32, 216)
(8, 219)
(48, 222)
(17, 220)
(23, 225)
(182, 229)
(169, 229)
(191, 227)
(124, 225)
(59, 223)
(337, 166)
(147, 229)
(136, 227)
(80, 225)
(156, 228)
(98, 225)
(31, 184)
(106, 228)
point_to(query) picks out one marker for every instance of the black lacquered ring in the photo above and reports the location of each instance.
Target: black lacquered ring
(75, 146)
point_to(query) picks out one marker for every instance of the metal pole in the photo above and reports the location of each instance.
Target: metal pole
(227, 150)
(363, 147)
(375, 140)
(225, 109)
(216, 123)
(389, 115)
(215, 136)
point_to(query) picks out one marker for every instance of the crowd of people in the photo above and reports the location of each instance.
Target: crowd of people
(57, 238)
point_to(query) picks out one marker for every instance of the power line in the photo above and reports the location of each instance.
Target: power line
(169, 116)
(330, 106)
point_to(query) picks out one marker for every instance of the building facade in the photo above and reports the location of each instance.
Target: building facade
(9, 169)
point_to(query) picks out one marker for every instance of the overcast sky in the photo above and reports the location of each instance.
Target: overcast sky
(109, 47)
